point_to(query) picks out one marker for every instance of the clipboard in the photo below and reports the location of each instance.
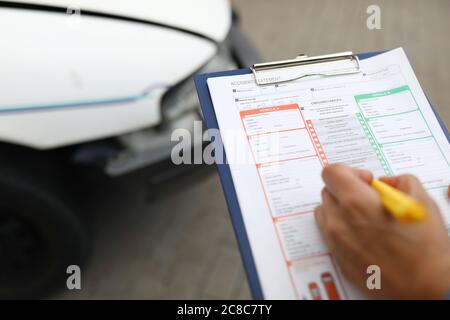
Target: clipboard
(224, 170)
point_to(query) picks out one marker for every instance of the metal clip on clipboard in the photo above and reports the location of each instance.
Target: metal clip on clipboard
(289, 70)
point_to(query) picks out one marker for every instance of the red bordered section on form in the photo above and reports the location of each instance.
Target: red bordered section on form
(286, 123)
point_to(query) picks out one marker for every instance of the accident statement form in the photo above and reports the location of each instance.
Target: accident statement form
(278, 137)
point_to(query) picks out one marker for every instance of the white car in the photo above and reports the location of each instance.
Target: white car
(98, 83)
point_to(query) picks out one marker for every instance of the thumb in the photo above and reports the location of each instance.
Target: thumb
(413, 187)
(409, 184)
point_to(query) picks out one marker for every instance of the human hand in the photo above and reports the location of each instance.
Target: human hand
(414, 258)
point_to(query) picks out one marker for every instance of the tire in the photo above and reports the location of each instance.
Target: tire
(41, 234)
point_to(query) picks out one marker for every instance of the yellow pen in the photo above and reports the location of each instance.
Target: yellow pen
(402, 206)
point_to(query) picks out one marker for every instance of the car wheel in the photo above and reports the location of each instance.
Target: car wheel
(40, 236)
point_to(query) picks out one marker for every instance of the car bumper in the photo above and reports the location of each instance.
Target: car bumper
(152, 146)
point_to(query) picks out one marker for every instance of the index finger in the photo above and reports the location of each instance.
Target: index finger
(342, 181)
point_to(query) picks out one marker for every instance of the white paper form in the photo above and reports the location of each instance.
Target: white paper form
(378, 120)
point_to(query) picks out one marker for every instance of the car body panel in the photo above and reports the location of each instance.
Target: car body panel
(69, 81)
(209, 17)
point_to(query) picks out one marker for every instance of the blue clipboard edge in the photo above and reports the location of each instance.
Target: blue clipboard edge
(225, 173)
